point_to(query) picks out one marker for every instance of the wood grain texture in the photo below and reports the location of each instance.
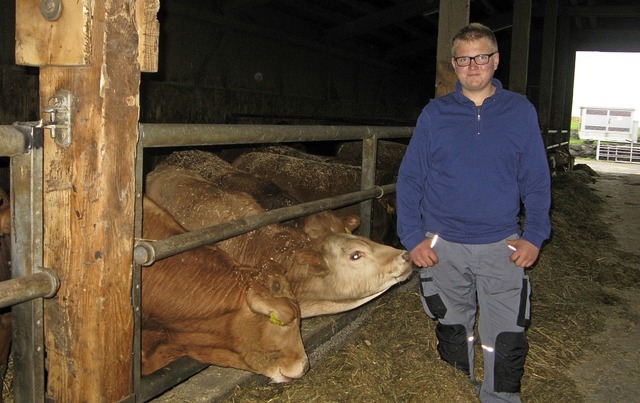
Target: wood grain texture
(89, 215)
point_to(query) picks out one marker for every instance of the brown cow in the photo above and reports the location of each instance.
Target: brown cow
(5, 213)
(222, 174)
(330, 271)
(311, 179)
(5, 274)
(268, 195)
(204, 304)
(389, 153)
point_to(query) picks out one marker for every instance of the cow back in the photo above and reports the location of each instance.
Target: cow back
(311, 179)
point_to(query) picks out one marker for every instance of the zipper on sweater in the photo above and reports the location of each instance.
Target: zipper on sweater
(478, 121)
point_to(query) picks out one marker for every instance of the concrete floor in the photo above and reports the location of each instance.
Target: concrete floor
(611, 373)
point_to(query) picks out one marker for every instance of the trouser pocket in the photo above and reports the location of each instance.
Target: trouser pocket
(431, 300)
(524, 312)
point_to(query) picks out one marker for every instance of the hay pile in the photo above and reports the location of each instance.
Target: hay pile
(393, 357)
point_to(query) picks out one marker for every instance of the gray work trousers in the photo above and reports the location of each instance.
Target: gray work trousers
(468, 277)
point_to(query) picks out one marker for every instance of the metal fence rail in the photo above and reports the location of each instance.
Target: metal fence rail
(12, 141)
(31, 282)
(147, 252)
(44, 284)
(175, 135)
(619, 152)
(172, 135)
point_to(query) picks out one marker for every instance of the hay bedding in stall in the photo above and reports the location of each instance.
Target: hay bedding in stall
(393, 357)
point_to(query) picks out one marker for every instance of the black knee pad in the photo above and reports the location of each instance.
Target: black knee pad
(510, 354)
(452, 345)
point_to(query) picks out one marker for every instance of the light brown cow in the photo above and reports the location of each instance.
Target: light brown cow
(330, 271)
(268, 195)
(204, 304)
(222, 174)
(308, 179)
(389, 157)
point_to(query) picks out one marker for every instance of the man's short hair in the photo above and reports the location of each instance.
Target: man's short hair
(473, 32)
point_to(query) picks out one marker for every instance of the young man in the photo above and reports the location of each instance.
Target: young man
(476, 154)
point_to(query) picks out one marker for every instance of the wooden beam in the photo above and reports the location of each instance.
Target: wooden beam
(454, 14)
(520, 35)
(549, 37)
(88, 215)
(148, 34)
(62, 41)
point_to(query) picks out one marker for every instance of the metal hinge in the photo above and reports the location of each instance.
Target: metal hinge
(56, 117)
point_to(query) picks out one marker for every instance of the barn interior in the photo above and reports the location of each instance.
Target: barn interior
(364, 63)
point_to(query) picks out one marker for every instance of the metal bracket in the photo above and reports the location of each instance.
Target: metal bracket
(51, 9)
(57, 117)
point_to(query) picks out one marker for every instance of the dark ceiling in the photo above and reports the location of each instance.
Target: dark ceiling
(403, 32)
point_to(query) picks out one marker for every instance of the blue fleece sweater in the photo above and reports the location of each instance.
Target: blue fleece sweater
(467, 169)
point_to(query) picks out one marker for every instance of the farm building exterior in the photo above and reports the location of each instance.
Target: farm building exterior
(608, 124)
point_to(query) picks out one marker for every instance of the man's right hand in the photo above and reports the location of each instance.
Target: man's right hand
(423, 255)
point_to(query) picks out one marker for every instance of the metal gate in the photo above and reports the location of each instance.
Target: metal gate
(31, 282)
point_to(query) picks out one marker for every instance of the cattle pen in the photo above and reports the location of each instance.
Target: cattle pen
(32, 282)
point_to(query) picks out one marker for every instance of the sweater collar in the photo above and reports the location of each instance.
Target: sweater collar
(461, 98)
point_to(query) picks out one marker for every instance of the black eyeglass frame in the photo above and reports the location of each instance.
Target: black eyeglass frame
(474, 59)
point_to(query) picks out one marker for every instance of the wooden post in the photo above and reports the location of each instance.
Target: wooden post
(454, 14)
(88, 187)
(520, 46)
(548, 66)
(89, 214)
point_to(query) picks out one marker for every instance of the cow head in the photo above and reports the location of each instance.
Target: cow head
(341, 271)
(204, 304)
(274, 330)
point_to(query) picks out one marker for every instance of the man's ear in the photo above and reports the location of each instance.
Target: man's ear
(496, 60)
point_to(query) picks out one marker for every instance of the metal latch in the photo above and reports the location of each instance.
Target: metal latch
(56, 117)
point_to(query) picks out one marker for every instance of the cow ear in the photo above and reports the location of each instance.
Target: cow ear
(285, 312)
(351, 222)
(316, 227)
(312, 262)
(281, 311)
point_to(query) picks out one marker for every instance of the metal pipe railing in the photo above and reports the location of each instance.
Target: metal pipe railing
(14, 291)
(147, 252)
(166, 135)
(165, 378)
(175, 135)
(12, 141)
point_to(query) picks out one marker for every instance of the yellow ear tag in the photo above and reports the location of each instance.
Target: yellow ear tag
(347, 230)
(273, 318)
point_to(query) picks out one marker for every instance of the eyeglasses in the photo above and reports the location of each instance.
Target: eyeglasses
(464, 61)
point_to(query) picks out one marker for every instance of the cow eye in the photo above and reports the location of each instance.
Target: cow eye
(356, 255)
(276, 286)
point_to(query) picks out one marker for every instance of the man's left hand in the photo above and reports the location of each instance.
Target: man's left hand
(525, 254)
